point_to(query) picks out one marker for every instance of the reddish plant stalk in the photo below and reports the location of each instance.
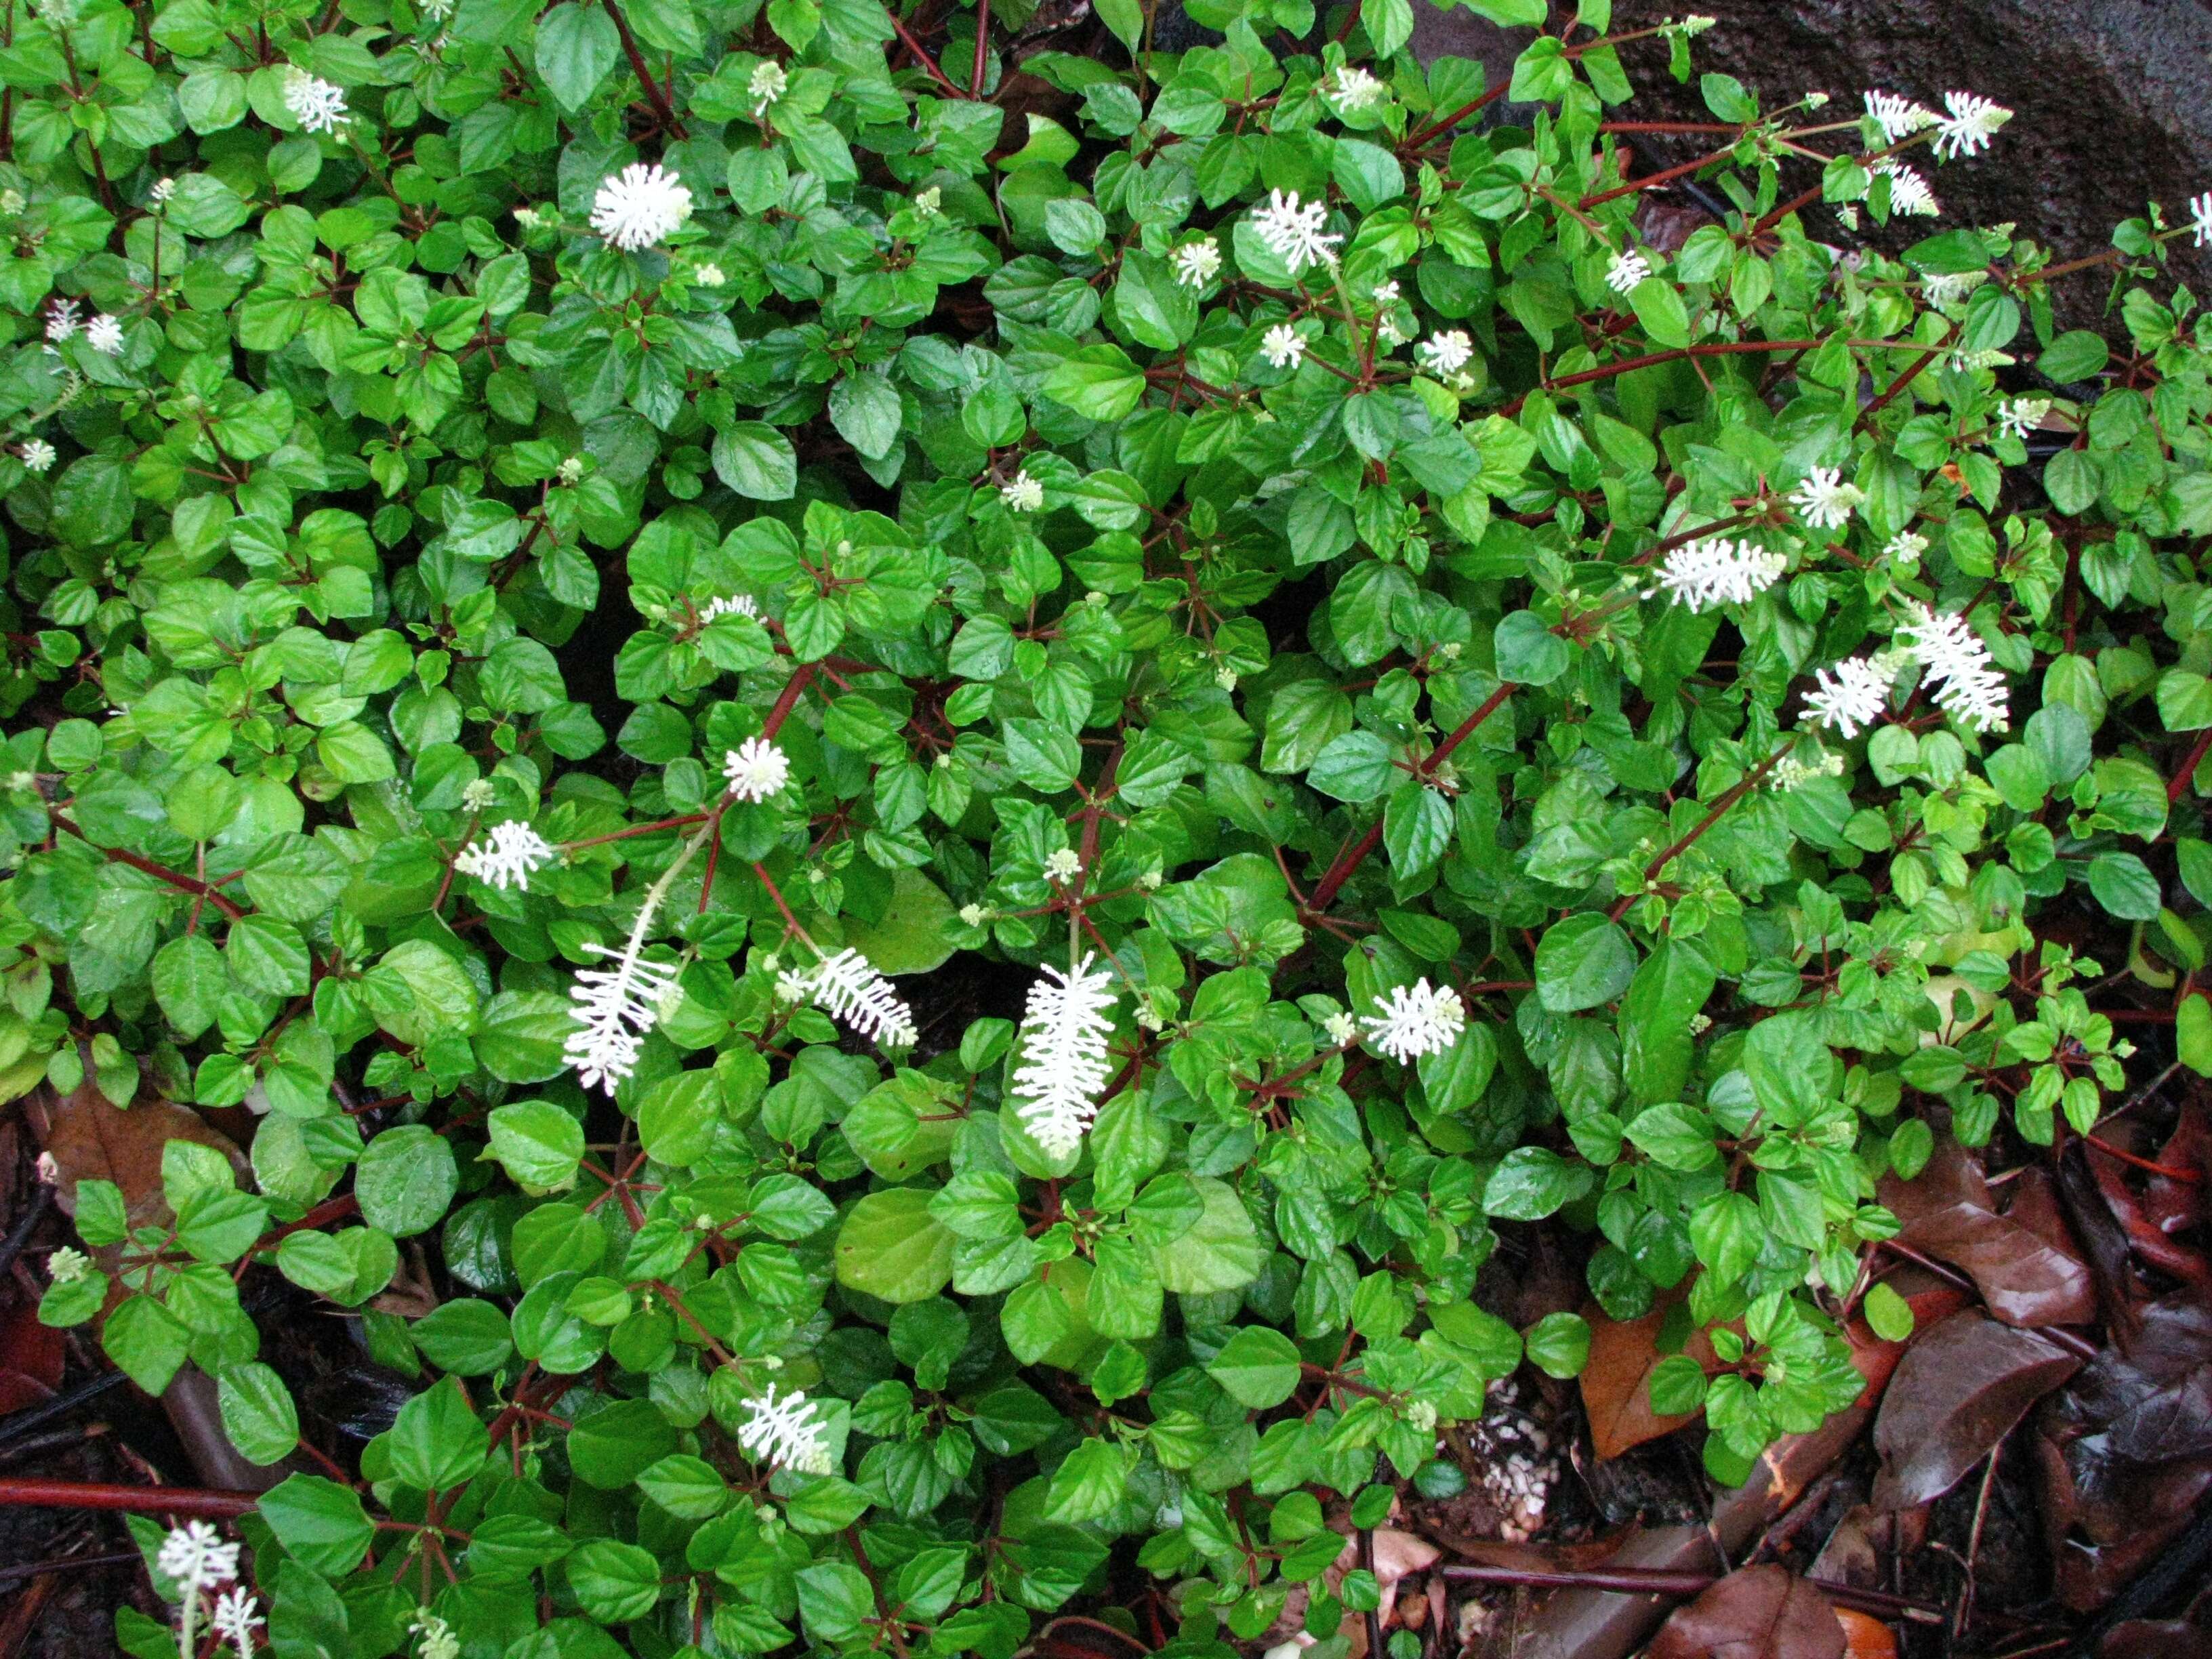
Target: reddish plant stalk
(141, 1500)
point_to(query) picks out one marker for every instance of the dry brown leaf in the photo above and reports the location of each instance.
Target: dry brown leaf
(1616, 1381)
(91, 1139)
(1865, 1637)
(1959, 1390)
(2024, 1277)
(1760, 1613)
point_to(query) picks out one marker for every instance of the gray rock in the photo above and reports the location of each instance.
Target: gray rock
(2114, 99)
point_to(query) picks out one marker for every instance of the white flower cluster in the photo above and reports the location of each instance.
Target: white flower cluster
(755, 769)
(1967, 686)
(1064, 1027)
(1716, 570)
(2022, 415)
(766, 86)
(1852, 701)
(1356, 89)
(1022, 493)
(315, 104)
(1629, 267)
(1196, 264)
(1293, 231)
(1415, 1020)
(506, 856)
(788, 1432)
(1282, 347)
(1446, 352)
(639, 207)
(848, 987)
(1791, 773)
(1825, 500)
(1062, 866)
(2200, 215)
(36, 454)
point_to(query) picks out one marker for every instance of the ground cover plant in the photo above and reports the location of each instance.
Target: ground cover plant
(574, 573)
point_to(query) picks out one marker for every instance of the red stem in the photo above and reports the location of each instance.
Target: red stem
(143, 1500)
(928, 64)
(2179, 786)
(1456, 117)
(1339, 872)
(662, 110)
(159, 871)
(1651, 871)
(787, 700)
(1710, 349)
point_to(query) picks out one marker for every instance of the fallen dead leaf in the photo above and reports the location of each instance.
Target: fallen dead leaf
(31, 1358)
(90, 1138)
(1617, 1377)
(1760, 1612)
(1865, 1637)
(2024, 1276)
(1959, 1390)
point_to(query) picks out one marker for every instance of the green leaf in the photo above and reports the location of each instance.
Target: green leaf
(538, 1144)
(406, 1178)
(1583, 962)
(756, 461)
(576, 46)
(320, 1523)
(1531, 1182)
(1096, 381)
(257, 1413)
(1257, 1367)
(892, 1247)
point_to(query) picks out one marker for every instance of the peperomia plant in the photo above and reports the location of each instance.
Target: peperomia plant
(955, 802)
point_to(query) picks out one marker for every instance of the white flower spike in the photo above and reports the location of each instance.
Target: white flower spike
(105, 335)
(506, 857)
(1714, 570)
(235, 1615)
(1064, 1027)
(195, 1556)
(2022, 415)
(1356, 89)
(1853, 700)
(1909, 193)
(737, 604)
(1293, 231)
(2200, 213)
(63, 320)
(616, 1008)
(1898, 118)
(1022, 493)
(639, 207)
(316, 103)
(755, 769)
(788, 1432)
(1627, 269)
(36, 454)
(1825, 500)
(849, 988)
(1967, 686)
(1415, 1020)
(1968, 126)
(1282, 346)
